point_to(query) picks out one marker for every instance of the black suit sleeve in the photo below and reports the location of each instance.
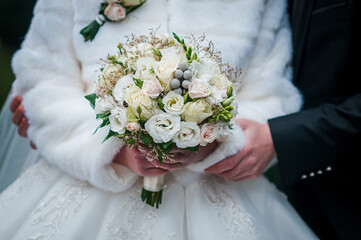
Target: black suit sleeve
(313, 139)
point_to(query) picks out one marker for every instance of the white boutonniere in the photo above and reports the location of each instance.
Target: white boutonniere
(111, 11)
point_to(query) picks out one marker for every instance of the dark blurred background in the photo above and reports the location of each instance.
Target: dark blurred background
(15, 17)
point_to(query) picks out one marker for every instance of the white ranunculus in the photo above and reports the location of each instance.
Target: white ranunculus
(118, 120)
(122, 86)
(197, 111)
(173, 103)
(165, 69)
(162, 127)
(104, 104)
(188, 135)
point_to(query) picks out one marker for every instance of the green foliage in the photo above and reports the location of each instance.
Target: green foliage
(91, 98)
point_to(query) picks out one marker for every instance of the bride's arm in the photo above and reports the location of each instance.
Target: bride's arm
(48, 77)
(266, 90)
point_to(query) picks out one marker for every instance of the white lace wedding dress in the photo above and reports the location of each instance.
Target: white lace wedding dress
(73, 192)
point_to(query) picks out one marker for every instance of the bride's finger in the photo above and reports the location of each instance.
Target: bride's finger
(18, 115)
(15, 103)
(23, 127)
(173, 166)
(152, 172)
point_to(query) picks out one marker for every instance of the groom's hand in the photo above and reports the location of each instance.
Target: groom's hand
(254, 157)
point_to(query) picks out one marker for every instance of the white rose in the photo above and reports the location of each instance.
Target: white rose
(118, 120)
(122, 86)
(165, 69)
(173, 103)
(197, 111)
(173, 52)
(208, 133)
(104, 104)
(188, 135)
(115, 12)
(162, 127)
(152, 88)
(135, 97)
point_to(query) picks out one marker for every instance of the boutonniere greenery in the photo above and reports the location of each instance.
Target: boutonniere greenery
(110, 11)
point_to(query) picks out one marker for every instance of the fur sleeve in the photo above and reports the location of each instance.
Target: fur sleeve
(266, 90)
(48, 77)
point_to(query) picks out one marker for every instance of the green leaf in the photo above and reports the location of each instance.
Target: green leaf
(193, 149)
(138, 82)
(91, 98)
(167, 147)
(176, 37)
(157, 52)
(110, 134)
(102, 115)
(146, 138)
(160, 156)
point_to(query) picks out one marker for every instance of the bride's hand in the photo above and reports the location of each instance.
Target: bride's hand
(184, 157)
(136, 161)
(19, 118)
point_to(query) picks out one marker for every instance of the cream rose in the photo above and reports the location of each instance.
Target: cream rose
(208, 133)
(173, 103)
(115, 12)
(220, 81)
(188, 135)
(152, 88)
(122, 86)
(198, 90)
(118, 120)
(165, 69)
(197, 111)
(162, 127)
(135, 97)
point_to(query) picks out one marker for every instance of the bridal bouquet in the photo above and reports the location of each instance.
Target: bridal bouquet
(164, 92)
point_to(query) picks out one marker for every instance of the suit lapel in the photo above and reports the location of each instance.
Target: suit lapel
(301, 16)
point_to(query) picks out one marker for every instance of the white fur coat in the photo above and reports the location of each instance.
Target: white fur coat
(55, 69)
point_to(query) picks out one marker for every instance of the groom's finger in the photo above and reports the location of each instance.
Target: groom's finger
(228, 163)
(237, 170)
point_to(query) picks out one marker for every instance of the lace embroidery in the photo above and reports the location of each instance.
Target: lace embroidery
(53, 211)
(133, 220)
(38, 172)
(238, 222)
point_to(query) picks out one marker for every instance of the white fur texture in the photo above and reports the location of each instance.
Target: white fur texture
(55, 69)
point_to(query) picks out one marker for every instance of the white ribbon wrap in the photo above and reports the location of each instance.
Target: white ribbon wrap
(153, 184)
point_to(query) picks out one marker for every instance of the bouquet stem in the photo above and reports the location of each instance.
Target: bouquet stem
(153, 190)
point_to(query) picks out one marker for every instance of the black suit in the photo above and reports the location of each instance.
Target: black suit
(319, 148)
